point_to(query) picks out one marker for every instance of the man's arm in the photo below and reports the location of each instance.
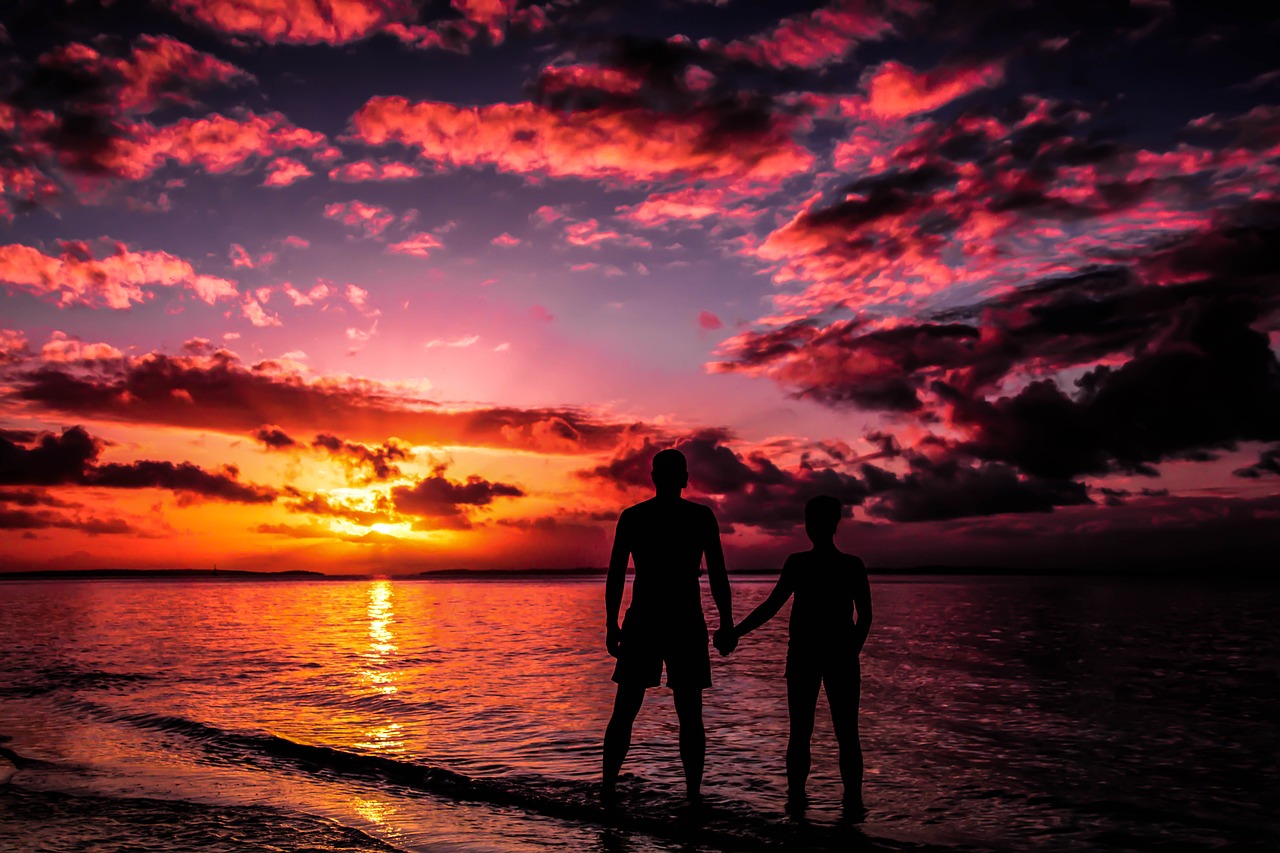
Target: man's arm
(717, 574)
(614, 583)
(862, 601)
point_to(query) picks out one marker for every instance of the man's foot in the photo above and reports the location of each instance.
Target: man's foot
(609, 793)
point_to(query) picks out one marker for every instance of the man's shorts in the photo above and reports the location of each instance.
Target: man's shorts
(647, 644)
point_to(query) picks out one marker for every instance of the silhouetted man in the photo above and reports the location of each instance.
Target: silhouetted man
(667, 536)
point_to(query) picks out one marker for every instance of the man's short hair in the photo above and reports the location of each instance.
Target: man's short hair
(670, 461)
(823, 512)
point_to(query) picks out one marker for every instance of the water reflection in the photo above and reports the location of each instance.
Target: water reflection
(381, 667)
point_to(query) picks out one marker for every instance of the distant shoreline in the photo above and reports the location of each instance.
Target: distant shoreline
(590, 572)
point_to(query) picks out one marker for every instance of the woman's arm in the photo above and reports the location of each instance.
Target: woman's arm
(771, 605)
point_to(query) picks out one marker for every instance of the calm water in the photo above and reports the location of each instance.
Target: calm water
(466, 716)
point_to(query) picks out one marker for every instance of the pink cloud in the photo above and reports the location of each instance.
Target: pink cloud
(538, 312)
(159, 71)
(630, 144)
(215, 143)
(505, 240)
(372, 219)
(590, 234)
(62, 348)
(118, 280)
(709, 321)
(896, 91)
(371, 170)
(296, 21)
(559, 78)
(284, 171)
(419, 245)
(689, 205)
(293, 241)
(816, 39)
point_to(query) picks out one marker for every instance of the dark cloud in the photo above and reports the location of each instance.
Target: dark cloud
(325, 505)
(444, 502)
(377, 459)
(21, 519)
(1209, 382)
(1268, 464)
(952, 490)
(71, 458)
(273, 437)
(220, 392)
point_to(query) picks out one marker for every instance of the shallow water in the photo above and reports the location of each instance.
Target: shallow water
(998, 713)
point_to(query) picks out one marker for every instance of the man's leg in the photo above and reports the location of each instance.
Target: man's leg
(693, 737)
(617, 736)
(802, 702)
(843, 694)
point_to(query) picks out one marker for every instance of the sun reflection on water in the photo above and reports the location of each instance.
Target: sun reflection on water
(381, 667)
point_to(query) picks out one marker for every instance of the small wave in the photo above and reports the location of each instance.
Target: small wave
(57, 821)
(660, 814)
(39, 682)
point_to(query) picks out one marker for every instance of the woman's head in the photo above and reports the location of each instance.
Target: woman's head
(821, 517)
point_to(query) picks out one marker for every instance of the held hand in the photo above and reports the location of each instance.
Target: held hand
(725, 640)
(613, 639)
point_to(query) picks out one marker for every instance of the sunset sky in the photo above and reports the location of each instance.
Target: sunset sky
(389, 285)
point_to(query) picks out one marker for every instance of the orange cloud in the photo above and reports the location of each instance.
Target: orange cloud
(896, 91)
(370, 170)
(215, 143)
(297, 21)
(631, 144)
(815, 39)
(214, 390)
(688, 205)
(117, 280)
(284, 171)
(372, 219)
(418, 245)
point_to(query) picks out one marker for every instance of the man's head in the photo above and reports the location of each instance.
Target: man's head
(670, 472)
(821, 517)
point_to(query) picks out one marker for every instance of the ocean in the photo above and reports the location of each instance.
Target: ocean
(998, 713)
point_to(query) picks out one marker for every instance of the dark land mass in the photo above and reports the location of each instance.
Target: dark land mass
(586, 573)
(165, 574)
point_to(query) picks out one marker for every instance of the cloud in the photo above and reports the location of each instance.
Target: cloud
(617, 144)
(296, 21)
(283, 171)
(372, 219)
(748, 489)
(1268, 464)
(819, 38)
(709, 321)
(505, 240)
(896, 91)
(273, 437)
(71, 458)
(372, 170)
(688, 205)
(445, 502)
(377, 459)
(466, 341)
(951, 490)
(590, 234)
(119, 279)
(420, 245)
(215, 143)
(217, 391)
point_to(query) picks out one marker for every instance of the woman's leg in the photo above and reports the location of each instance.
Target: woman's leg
(802, 701)
(844, 688)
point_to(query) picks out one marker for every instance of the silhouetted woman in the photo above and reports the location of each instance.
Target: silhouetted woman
(824, 645)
